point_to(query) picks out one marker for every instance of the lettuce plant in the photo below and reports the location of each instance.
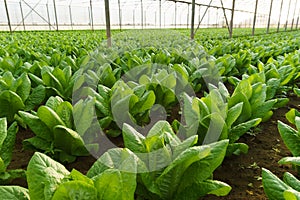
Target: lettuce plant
(48, 179)
(18, 92)
(291, 137)
(173, 169)
(54, 130)
(221, 116)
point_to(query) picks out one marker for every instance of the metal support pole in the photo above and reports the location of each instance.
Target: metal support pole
(288, 14)
(294, 15)
(203, 16)
(120, 15)
(226, 20)
(231, 22)
(92, 17)
(89, 16)
(279, 16)
(199, 16)
(145, 15)
(297, 20)
(48, 15)
(217, 18)
(133, 18)
(70, 13)
(208, 13)
(175, 15)
(193, 19)
(142, 15)
(164, 20)
(188, 17)
(21, 9)
(159, 13)
(7, 15)
(107, 17)
(55, 12)
(269, 19)
(155, 20)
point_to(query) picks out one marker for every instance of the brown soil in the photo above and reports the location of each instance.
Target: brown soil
(20, 157)
(242, 172)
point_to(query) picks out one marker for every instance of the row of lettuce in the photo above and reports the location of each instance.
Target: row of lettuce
(66, 95)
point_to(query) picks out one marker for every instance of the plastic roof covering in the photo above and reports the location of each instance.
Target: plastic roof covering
(131, 11)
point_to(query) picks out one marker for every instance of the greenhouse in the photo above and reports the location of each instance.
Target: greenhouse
(149, 99)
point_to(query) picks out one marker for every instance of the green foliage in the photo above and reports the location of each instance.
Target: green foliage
(55, 131)
(7, 143)
(48, 179)
(175, 168)
(277, 189)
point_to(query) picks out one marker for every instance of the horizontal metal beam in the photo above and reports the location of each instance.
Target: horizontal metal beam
(211, 6)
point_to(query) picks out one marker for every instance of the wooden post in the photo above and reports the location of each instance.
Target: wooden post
(21, 9)
(269, 19)
(107, 17)
(231, 22)
(7, 15)
(193, 19)
(55, 12)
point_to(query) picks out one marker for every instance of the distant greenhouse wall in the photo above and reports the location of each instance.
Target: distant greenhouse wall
(90, 14)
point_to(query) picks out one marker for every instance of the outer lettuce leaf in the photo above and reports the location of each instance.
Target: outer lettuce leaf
(39, 177)
(49, 117)
(122, 159)
(273, 186)
(291, 138)
(290, 160)
(9, 143)
(75, 190)
(75, 144)
(14, 193)
(196, 190)
(292, 181)
(237, 131)
(35, 98)
(3, 130)
(115, 184)
(37, 126)
(203, 169)
(276, 189)
(10, 104)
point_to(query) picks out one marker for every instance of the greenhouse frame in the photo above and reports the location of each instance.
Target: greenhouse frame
(78, 14)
